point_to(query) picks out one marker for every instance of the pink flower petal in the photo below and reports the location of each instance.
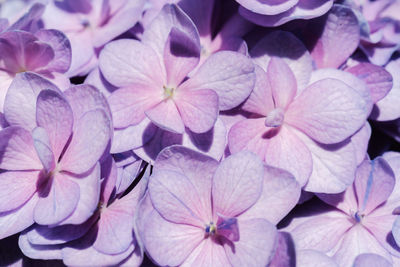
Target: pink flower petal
(17, 220)
(42, 145)
(181, 56)
(339, 39)
(248, 134)
(128, 105)
(232, 86)
(237, 184)
(169, 243)
(118, 63)
(156, 34)
(90, 137)
(198, 109)
(89, 189)
(321, 232)
(287, 151)
(287, 46)
(40, 252)
(54, 114)
(172, 195)
(328, 111)
(57, 200)
(282, 82)
(61, 47)
(268, 7)
(166, 116)
(256, 245)
(17, 150)
(281, 193)
(313, 258)
(378, 80)
(374, 183)
(370, 259)
(260, 100)
(357, 241)
(20, 103)
(207, 253)
(333, 166)
(16, 188)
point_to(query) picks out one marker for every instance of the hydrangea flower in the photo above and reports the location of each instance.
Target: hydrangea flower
(89, 25)
(298, 127)
(50, 155)
(106, 238)
(157, 90)
(361, 220)
(201, 212)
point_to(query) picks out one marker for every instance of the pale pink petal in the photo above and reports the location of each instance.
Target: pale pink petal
(16, 188)
(43, 148)
(169, 243)
(281, 193)
(89, 189)
(268, 7)
(339, 39)
(15, 221)
(90, 138)
(198, 109)
(207, 253)
(118, 63)
(83, 98)
(378, 80)
(156, 34)
(198, 167)
(321, 232)
(61, 47)
(284, 251)
(287, 151)
(260, 100)
(181, 56)
(5, 82)
(356, 241)
(17, 150)
(387, 108)
(334, 166)
(282, 81)
(128, 105)
(237, 184)
(313, 258)
(57, 200)
(360, 142)
(287, 46)
(256, 245)
(393, 159)
(328, 111)
(83, 253)
(305, 9)
(174, 196)
(166, 116)
(54, 114)
(346, 201)
(351, 80)
(381, 226)
(20, 103)
(133, 136)
(248, 134)
(370, 259)
(40, 252)
(229, 74)
(374, 183)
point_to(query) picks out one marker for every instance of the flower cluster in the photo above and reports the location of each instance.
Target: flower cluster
(200, 133)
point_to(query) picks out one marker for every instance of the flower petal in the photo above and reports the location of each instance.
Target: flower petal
(166, 116)
(90, 138)
(54, 115)
(237, 184)
(328, 111)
